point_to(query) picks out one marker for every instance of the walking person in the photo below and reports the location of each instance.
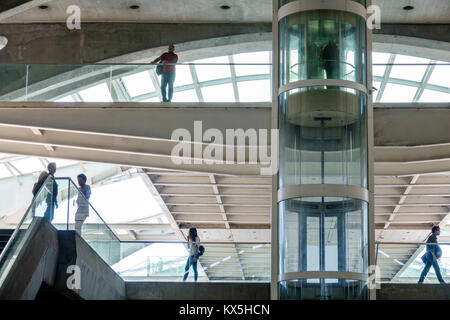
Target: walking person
(50, 200)
(167, 59)
(431, 256)
(82, 202)
(193, 246)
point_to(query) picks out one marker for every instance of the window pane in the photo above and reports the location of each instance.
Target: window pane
(185, 96)
(66, 99)
(252, 58)
(183, 76)
(28, 165)
(254, 91)
(434, 96)
(138, 84)
(212, 72)
(441, 76)
(379, 57)
(398, 93)
(98, 93)
(409, 72)
(219, 93)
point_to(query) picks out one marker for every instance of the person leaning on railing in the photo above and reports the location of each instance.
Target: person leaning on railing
(166, 69)
(52, 194)
(431, 256)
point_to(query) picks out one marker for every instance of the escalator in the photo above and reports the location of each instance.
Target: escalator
(5, 235)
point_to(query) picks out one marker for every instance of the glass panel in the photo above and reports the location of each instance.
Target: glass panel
(139, 83)
(212, 72)
(434, 96)
(261, 57)
(379, 58)
(327, 289)
(41, 206)
(409, 72)
(167, 262)
(254, 91)
(219, 93)
(441, 75)
(309, 49)
(407, 258)
(398, 93)
(323, 137)
(323, 234)
(13, 81)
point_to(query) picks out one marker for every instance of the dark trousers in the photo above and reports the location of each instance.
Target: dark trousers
(190, 263)
(167, 80)
(429, 263)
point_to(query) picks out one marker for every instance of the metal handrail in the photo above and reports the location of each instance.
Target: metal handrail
(90, 205)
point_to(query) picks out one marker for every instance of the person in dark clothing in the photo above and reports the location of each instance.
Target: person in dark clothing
(329, 55)
(52, 194)
(168, 59)
(431, 256)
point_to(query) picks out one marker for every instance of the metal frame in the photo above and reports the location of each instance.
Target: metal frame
(323, 190)
(322, 275)
(307, 5)
(274, 209)
(322, 82)
(370, 155)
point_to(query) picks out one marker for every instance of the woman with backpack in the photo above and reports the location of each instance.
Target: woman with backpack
(194, 253)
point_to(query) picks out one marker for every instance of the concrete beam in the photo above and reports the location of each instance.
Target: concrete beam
(53, 43)
(197, 291)
(139, 134)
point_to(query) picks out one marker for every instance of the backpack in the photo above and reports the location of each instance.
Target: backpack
(159, 69)
(37, 186)
(201, 250)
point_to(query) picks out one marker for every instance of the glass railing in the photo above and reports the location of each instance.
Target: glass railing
(402, 262)
(40, 206)
(206, 82)
(62, 203)
(194, 82)
(166, 261)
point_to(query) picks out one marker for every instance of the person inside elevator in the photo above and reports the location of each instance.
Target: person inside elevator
(82, 202)
(51, 199)
(329, 56)
(194, 253)
(432, 255)
(167, 61)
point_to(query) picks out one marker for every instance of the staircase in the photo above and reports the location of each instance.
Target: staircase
(5, 234)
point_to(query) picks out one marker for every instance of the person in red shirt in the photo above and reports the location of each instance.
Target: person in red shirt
(168, 72)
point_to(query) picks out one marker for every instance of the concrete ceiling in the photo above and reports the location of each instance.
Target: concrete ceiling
(182, 11)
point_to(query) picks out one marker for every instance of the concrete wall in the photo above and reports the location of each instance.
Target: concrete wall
(397, 291)
(35, 263)
(97, 280)
(197, 291)
(45, 257)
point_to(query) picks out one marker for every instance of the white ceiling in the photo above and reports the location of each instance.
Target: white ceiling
(182, 11)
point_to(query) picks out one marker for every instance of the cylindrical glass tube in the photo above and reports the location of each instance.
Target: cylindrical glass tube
(322, 118)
